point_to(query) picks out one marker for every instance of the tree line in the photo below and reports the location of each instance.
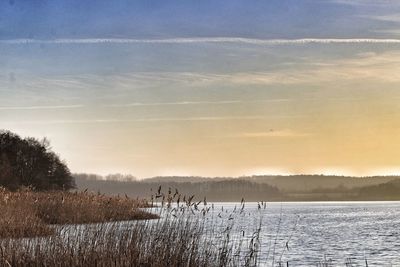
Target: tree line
(250, 188)
(213, 190)
(29, 162)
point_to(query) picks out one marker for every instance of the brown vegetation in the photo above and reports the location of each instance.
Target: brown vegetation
(180, 237)
(165, 243)
(26, 213)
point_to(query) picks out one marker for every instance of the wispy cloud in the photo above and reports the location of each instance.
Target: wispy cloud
(166, 119)
(41, 107)
(374, 67)
(183, 103)
(377, 67)
(365, 2)
(388, 17)
(271, 133)
(189, 103)
(237, 40)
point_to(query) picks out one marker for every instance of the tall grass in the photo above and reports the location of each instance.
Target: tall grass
(163, 243)
(26, 213)
(185, 234)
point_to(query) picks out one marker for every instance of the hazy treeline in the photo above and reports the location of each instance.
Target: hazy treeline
(290, 183)
(218, 190)
(253, 188)
(385, 191)
(301, 183)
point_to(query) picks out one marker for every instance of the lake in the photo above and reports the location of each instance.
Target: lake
(297, 233)
(317, 233)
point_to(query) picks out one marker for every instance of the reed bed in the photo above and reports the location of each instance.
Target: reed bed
(26, 213)
(164, 243)
(185, 233)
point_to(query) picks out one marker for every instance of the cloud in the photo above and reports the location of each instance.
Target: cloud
(150, 120)
(183, 103)
(271, 133)
(41, 107)
(368, 66)
(388, 18)
(366, 2)
(389, 31)
(124, 83)
(166, 119)
(236, 40)
(375, 67)
(365, 67)
(188, 103)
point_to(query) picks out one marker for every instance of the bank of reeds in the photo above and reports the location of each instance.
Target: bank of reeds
(180, 237)
(172, 242)
(26, 213)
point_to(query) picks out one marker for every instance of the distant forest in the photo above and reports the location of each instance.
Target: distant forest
(251, 188)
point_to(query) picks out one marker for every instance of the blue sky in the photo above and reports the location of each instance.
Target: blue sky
(211, 18)
(206, 87)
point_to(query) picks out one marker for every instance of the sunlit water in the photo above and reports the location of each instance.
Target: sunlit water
(309, 234)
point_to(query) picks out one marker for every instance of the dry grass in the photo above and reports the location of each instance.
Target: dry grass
(18, 219)
(27, 214)
(166, 243)
(180, 237)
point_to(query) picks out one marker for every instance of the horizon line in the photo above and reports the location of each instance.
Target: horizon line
(240, 176)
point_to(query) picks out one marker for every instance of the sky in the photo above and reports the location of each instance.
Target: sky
(212, 87)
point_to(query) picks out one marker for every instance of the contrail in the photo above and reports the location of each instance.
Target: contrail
(235, 40)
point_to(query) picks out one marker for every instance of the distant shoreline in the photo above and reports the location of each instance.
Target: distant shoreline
(297, 188)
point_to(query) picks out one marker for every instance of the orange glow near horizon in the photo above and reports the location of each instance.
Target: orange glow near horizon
(335, 112)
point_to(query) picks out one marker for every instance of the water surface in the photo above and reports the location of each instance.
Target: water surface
(309, 233)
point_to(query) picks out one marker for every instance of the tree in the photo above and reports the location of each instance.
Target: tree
(121, 177)
(30, 162)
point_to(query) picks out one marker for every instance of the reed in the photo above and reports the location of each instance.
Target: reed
(26, 213)
(180, 236)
